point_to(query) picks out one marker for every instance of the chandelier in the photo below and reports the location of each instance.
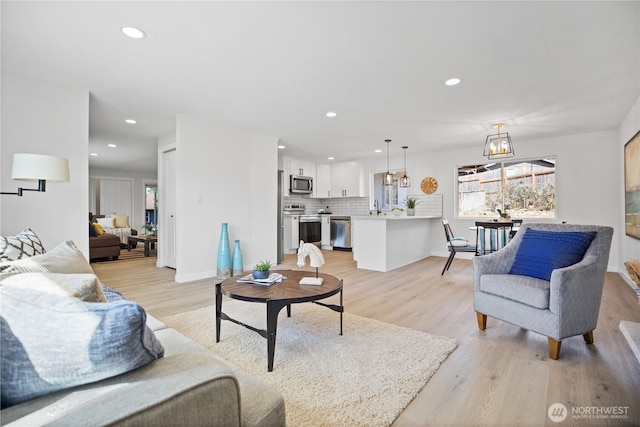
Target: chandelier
(388, 178)
(405, 181)
(499, 145)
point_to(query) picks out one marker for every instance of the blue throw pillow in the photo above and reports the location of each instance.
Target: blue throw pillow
(92, 231)
(541, 252)
(51, 342)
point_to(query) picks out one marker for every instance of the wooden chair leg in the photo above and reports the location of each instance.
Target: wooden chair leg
(554, 348)
(482, 321)
(588, 337)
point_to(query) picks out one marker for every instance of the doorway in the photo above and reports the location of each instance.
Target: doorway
(151, 205)
(167, 251)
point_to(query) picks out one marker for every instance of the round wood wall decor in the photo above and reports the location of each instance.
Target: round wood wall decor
(429, 185)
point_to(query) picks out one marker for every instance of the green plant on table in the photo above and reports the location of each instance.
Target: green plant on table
(411, 202)
(503, 213)
(263, 266)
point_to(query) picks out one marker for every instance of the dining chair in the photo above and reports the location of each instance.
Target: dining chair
(492, 235)
(455, 245)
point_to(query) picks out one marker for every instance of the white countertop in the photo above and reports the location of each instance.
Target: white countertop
(391, 216)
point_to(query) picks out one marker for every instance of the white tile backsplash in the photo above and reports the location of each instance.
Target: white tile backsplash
(428, 204)
(338, 206)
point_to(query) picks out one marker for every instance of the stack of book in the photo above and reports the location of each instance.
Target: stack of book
(273, 278)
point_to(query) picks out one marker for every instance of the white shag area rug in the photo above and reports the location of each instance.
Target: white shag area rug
(366, 377)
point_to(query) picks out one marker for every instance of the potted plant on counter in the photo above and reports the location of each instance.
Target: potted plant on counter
(411, 202)
(261, 270)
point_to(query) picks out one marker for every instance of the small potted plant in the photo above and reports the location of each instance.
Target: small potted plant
(261, 270)
(411, 203)
(148, 228)
(504, 215)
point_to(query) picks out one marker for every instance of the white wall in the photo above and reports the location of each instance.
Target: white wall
(587, 182)
(629, 247)
(140, 179)
(49, 119)
(41, 118)
(234, 175)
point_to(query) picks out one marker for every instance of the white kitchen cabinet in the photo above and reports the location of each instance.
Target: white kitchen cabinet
(297, 167)
(325, 232)
(345, 180)
(353, 182)
(338, 179)
(301, 167)
(322, 182)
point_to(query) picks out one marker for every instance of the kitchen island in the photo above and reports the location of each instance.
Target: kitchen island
(385, 242)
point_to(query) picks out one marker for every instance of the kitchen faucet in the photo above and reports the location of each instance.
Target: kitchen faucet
(376, 204)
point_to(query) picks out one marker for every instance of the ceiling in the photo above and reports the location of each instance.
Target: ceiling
(543, 68)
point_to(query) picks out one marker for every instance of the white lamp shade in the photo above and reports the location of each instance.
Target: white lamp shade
(35, 167)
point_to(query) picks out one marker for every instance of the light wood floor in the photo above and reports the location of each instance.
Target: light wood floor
(501, 376)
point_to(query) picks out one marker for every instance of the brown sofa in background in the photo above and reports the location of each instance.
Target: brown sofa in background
(104, 246)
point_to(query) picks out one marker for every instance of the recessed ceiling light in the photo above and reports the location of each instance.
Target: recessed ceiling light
(133, 32)
(332, 114)
(93, 154)
(452, 82)
(282, 147)
(378, 150)
(112, 145)
(331, 158)
(131, 121)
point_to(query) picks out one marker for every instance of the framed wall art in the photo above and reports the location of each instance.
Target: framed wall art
(632, 187)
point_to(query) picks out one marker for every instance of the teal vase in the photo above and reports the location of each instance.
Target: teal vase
(237, 259)
(224, 254)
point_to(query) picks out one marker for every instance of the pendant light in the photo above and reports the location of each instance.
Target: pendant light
(388, 178)
(405, 181)
(498, 146)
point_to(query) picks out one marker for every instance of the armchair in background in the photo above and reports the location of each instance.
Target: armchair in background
(548, 280)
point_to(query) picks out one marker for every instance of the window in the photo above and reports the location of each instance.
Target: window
(388, 196)
(524, 188)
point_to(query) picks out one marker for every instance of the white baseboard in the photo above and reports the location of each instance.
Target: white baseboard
(631, 332)
(183, 278)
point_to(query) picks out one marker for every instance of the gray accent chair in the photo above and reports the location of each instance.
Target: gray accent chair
(566, 306)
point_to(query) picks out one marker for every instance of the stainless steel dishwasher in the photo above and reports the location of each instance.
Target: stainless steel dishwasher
(341, 232)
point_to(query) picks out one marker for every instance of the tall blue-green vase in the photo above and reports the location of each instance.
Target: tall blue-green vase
(224, 254)
(236, 260)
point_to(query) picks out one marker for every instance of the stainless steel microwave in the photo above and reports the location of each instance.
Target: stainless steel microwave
(300, 184)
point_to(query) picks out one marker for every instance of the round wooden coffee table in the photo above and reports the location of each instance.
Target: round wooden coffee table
(276, 297)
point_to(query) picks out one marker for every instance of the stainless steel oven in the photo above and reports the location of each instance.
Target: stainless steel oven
(309, 229)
